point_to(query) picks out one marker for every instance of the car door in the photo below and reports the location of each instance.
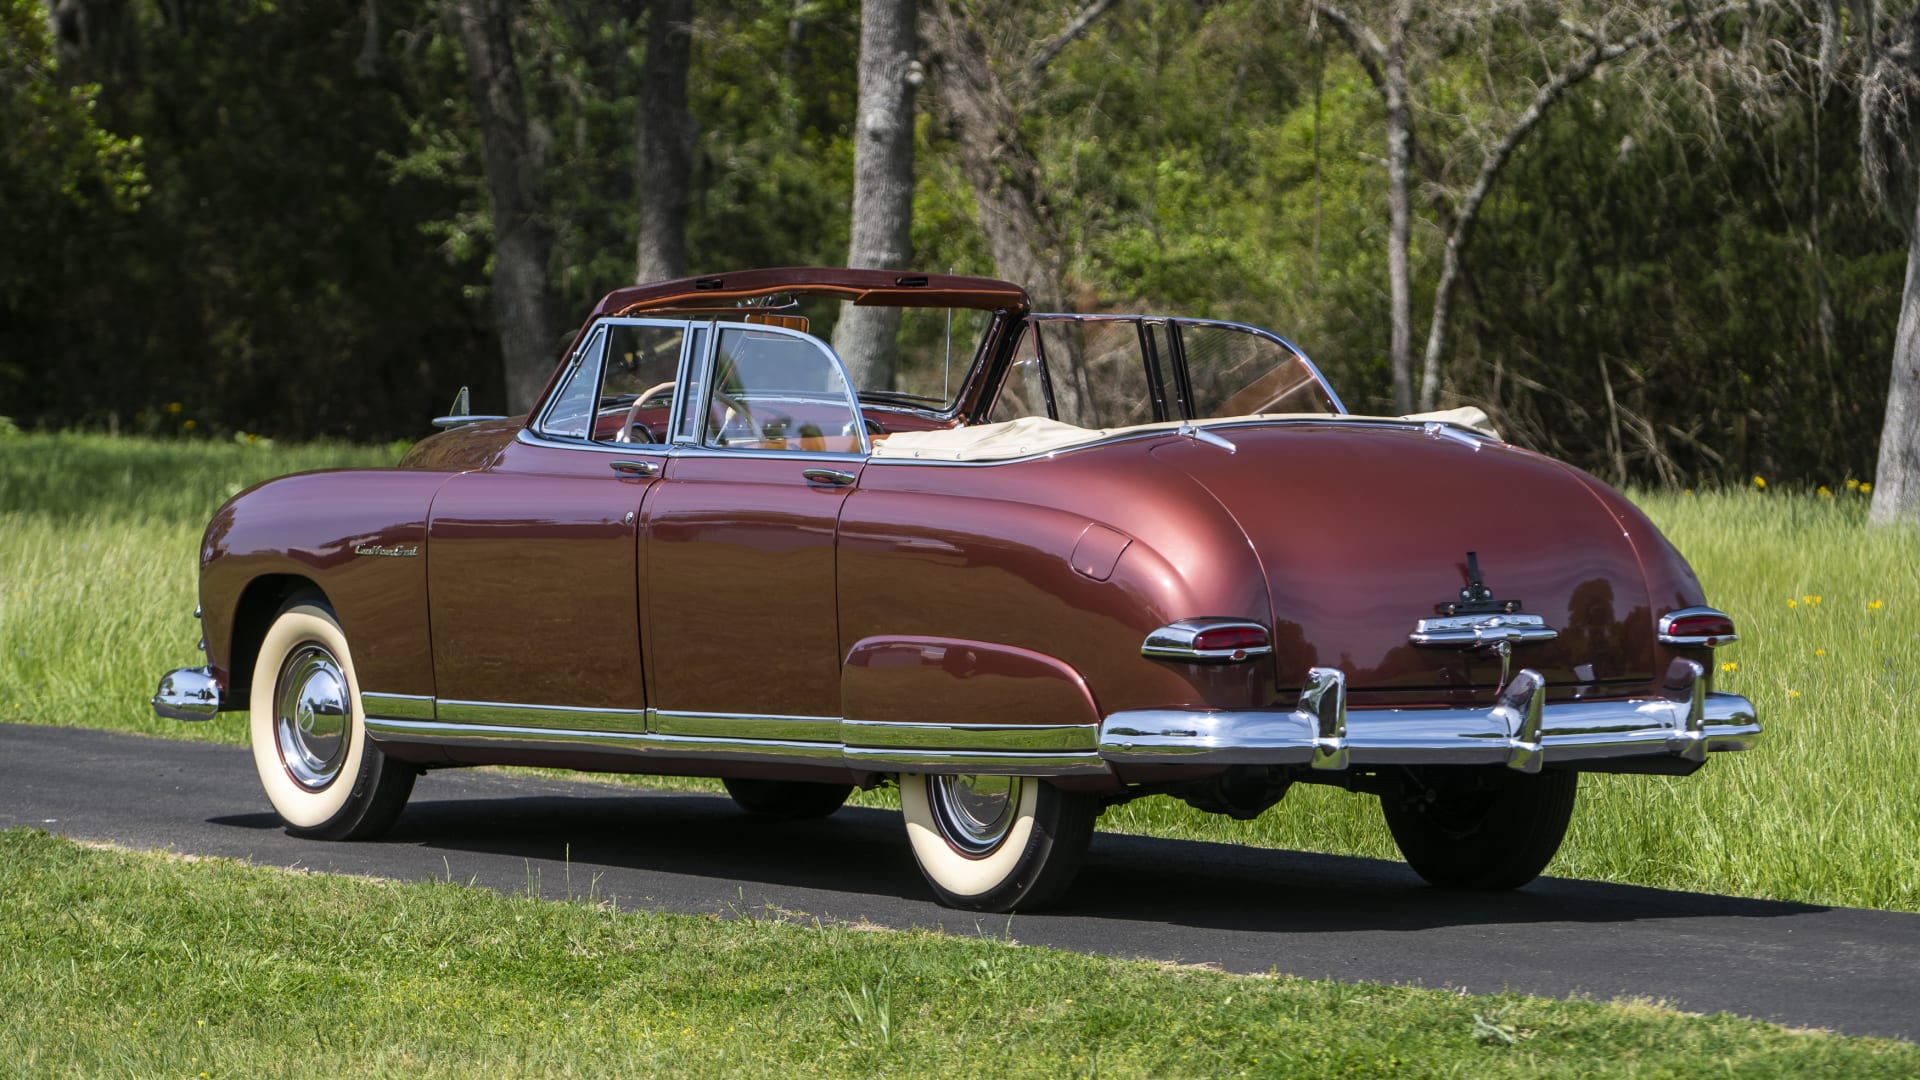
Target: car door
(533, 561)
(739, 577)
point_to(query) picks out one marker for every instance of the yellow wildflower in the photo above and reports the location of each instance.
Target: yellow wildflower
(1866, 489)
(1852, 484)
(1759, 481)
(174, 407)
(1729, 666)
(1823, 492)
(1791, 694)
(1792, 603)
(1810, 601)
(1874, 605)
(188, 426)
(1819, 652)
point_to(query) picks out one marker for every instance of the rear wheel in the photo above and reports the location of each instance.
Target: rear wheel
(323, 775)
(1480, 828)
(788, 798)
(996, 843)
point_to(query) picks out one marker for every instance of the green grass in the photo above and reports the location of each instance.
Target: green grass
(99, 548)
(98, 540)
(136, 964)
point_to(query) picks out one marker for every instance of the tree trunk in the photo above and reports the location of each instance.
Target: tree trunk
(1399, 209)
(522, 300)
(882, 233)
(1896, 482)
(1001, 170)
(666, 143)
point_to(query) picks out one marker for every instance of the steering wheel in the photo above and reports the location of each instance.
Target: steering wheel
(632, 424)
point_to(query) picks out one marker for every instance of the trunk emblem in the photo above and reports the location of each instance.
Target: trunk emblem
(1478, 621)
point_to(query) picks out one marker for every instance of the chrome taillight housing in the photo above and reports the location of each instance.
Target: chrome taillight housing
(1697, 626)
(1215, 639)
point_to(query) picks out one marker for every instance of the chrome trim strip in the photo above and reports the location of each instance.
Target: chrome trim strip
(947, 761)
(533, 438)
(1521, 730)
(543, 717)
(1174, 641)
(188, 694)
(1156, 432)
(863, 735)
(1712, 641)
(397, 706)
(1003, 749)
(1455, 631)
(692, 450)
(441, 733)
(703, 725)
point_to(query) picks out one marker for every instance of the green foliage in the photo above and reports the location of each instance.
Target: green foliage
(118, 963)
(1738, 305)
(309, 251)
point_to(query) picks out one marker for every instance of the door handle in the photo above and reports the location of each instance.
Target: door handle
(830, 477)
(634, 468)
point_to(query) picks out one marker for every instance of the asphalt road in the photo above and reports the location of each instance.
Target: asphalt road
(1241, 909)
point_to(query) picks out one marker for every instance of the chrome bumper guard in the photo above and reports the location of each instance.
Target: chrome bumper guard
(187, 694)
(1521, 730)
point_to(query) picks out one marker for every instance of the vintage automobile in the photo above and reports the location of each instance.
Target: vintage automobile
(1034, 566)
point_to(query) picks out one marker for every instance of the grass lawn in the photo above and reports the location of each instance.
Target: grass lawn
(138, 964)
(98, 542)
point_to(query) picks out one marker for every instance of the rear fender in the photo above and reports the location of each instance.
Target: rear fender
(951, 693)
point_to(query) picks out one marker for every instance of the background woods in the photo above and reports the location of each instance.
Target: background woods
(1668, 242)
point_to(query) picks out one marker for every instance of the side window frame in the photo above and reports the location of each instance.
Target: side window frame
(687, 432)
(594, 351)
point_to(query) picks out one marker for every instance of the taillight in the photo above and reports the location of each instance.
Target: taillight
(1697, 626)
(1215, 639)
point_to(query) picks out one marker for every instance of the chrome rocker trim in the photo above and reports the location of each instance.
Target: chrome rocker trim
(188, 694)
(1521, 730)
(858, 745)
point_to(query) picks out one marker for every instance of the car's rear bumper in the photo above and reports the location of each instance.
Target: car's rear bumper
(1522, 731)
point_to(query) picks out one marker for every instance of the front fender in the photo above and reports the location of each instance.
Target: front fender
(359, 536)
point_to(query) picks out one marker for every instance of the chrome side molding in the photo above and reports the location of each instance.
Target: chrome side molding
(861, 745)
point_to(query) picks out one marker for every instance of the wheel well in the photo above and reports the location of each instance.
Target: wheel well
(262, 600)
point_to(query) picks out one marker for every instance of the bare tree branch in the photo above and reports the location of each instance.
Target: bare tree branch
(1051, 48)
(1366, 45)
(1468, 213)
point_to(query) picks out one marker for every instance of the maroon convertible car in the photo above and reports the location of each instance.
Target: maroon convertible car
(1030, 566)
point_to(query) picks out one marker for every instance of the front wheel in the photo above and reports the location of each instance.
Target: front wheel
(996, 843)
(1480, 828)
(323, 775)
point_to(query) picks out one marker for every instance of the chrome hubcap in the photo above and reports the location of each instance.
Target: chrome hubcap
(311, 716)
(975, 813)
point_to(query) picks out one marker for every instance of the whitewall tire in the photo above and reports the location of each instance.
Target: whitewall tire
(996, 843)
(323, 776)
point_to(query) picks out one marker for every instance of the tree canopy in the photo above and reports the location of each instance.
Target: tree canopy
(274, 217)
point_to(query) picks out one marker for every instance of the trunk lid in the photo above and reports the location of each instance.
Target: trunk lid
(1365, 528)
